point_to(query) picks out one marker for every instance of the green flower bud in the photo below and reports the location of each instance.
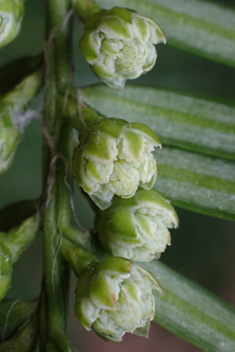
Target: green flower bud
(118, 43)
(12, 106)
(11, 246)
(115, 297)
(136, 228)
(115, 157)
(9, 138)
(11, 15)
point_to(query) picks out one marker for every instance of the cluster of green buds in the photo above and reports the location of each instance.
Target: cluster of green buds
(115, 166)
(115, 297)
(11, 15)
(12, 244)
(12, 122)
(114, 157)
(137, 228)
(119, 45)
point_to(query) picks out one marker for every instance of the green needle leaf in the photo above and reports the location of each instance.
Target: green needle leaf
(192, 181)
(197, 182)
(190, 122)
(201, 27)
(191, 312)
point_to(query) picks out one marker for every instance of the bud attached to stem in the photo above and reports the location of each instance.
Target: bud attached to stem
(136, 228)
(9, 138)
(115, 297)
(12, 123)
(114, 157)
(11, 15)
(12, 244)
(119, 45)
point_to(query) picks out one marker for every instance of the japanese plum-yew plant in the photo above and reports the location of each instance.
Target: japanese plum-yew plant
(135, 151)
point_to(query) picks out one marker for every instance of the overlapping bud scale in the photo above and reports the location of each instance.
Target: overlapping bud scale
(137, 228)
(115, 297)
(119, 45)
(11, 15)
(115, 157)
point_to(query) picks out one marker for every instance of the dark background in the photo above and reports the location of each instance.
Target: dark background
(202, 248)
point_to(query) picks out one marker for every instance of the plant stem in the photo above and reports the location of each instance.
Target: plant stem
(64, 193)
(53, 276)
(58, 79)
(64, 205)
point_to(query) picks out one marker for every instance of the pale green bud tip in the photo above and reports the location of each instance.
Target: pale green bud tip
(137, 228)
(115, 158)
(9, 138)
(118, 43)
(115, 297)
(11, 14)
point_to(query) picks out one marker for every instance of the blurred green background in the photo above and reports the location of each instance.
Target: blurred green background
(202, 248)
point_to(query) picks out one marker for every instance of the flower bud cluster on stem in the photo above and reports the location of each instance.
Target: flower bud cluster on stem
(113, 163)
